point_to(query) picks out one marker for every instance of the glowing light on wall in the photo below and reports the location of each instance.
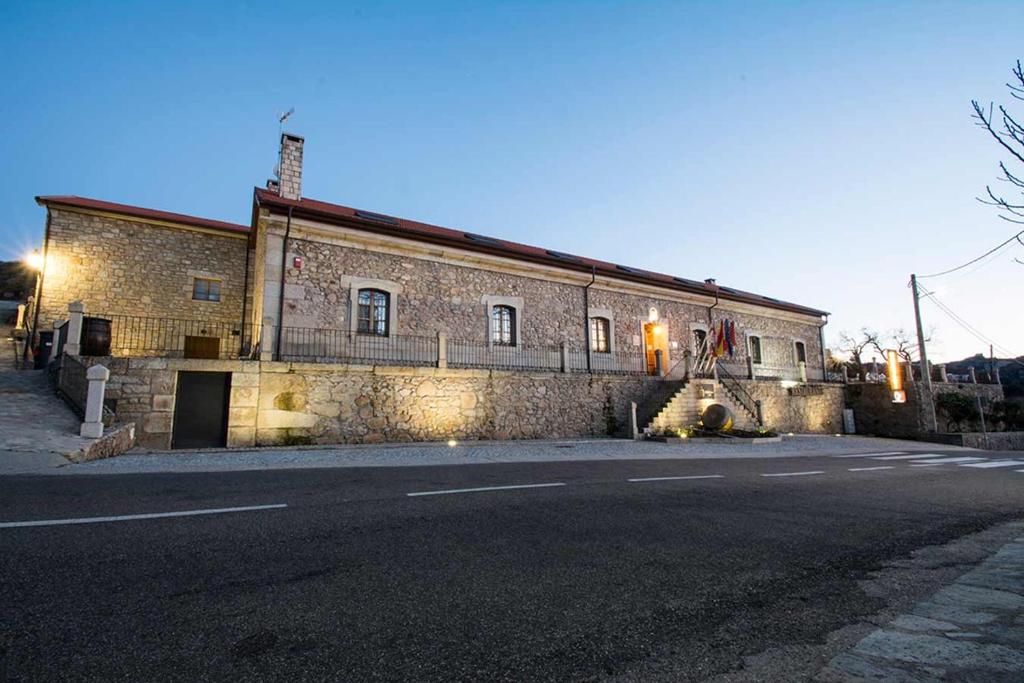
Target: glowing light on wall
(34, 260)
(892, 360)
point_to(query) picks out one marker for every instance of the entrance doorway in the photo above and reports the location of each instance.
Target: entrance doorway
(201, 410)
(656, 339)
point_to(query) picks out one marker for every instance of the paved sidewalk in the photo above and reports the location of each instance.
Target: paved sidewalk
(399, 455)
(972, 630)
(36, 427)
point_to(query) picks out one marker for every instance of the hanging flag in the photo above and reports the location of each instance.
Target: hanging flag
(720, 342)
(728, 337)
(732, 338)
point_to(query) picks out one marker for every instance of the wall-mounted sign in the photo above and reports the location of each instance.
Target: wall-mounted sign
(706, 390)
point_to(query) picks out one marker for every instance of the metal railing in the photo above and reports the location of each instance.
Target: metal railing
(331, 346)
(132, 335)
(739, 394)
(463, 353)
(606, 362)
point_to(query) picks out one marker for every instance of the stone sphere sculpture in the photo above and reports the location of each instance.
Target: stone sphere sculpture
(718, 417)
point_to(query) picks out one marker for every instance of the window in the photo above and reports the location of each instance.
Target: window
(801, 352)
(699, 337)
(600, 335)
(755, 349)
(503, 326)
(205, 289)
(373, 312)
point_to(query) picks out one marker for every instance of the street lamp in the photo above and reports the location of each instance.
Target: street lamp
(34, 260)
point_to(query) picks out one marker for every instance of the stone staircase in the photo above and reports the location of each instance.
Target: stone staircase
(683, 408)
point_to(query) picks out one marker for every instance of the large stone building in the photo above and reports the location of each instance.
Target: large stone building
(322, 323)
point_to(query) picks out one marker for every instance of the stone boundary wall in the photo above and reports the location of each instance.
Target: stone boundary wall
(993, 441)
(280, 403)
(815, 408)
(876, 414)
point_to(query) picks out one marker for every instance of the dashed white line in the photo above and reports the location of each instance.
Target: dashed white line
(869, 455)
(927, 464)
(993, 463)
(871, 469)
(917, 456)
(793, 474)
(128, 518)
(484, 488)
(939, 461)
(697, 476)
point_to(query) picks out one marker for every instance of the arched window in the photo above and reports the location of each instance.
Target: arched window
(600, 334)
(503, 326)
(373, 312)
(699, 338)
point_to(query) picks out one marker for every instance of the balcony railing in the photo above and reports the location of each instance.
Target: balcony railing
(132, 335)
(333, 346)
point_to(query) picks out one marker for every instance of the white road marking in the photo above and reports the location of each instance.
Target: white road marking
(939, 461)
(869, 455)
(128, 518)
(792, 474)
(932, 464)
(484, 488)
(698, 476)
(993, 463)
(919, 456)
(870, 469)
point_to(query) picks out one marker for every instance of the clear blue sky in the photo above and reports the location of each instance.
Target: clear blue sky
(817, 152)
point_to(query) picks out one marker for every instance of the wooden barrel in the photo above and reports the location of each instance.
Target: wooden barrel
(95, 337)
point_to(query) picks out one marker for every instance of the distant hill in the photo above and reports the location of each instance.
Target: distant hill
(1010, 372)
(16, 281)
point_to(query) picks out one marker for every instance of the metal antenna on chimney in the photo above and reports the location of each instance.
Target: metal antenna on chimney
(282, 118)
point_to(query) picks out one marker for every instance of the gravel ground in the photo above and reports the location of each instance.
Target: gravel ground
(401, 455)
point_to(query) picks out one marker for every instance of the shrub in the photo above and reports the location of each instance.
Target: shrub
(957, 409)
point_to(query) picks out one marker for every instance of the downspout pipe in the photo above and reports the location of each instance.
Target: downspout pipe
(824, 363)
(586, 314)
(280, 296)
(245, 299)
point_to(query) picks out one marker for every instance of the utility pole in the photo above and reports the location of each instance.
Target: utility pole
(926, 375)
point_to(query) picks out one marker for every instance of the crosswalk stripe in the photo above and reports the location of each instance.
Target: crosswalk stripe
(868, 455)
(993, 463)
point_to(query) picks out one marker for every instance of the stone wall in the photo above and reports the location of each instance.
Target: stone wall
(875, 413)
(434, 296)
(119, 266)
(812, 408)
(296, 403)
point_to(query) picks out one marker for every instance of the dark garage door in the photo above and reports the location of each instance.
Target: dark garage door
(201, 410)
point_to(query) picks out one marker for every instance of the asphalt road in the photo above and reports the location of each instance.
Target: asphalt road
(596, 577)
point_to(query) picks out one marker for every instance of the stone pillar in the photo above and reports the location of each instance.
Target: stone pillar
(908, 371)
(92, 428)
(995, 376)
(943, 375)
(634, 428)
(750, 368)
(974, 375)
(20, 325)
(76, 312)
(803, 371)
(267, 339)
(442, 350)
(846, 374)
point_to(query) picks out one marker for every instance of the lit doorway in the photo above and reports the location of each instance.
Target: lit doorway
(656, 339)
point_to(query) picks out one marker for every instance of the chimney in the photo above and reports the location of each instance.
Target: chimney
(710, 282)
(289, 166)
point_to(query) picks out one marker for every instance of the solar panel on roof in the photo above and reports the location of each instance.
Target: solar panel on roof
(729, 289)
(683, 280)
(376, 217)
(563, 256)
(482, 239)
(627, 269)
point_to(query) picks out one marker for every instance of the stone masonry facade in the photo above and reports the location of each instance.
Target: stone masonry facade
(119, 266)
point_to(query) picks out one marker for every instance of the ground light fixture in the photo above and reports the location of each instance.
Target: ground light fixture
(452, 443)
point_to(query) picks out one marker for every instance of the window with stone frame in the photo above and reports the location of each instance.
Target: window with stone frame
(205, 289)
(800, 350)
(600, 335)
(503, 326)
(373, 312)
(754, 342)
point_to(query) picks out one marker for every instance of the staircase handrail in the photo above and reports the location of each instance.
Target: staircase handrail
(741, 395)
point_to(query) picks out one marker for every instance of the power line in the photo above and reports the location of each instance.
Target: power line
(971, 329)
(975, 260)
